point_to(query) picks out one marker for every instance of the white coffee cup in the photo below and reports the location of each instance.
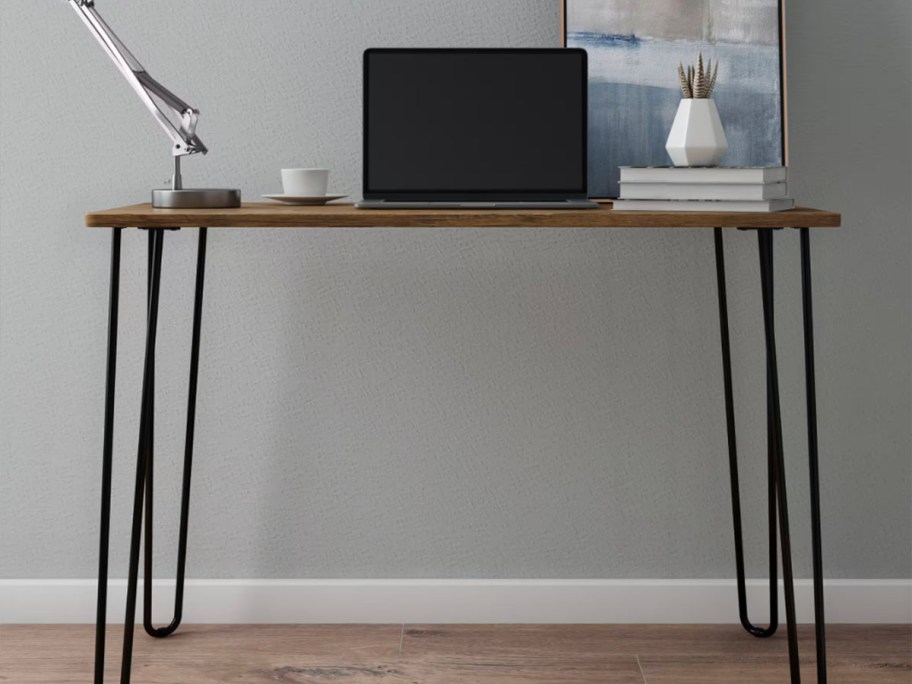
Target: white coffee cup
(305, 182)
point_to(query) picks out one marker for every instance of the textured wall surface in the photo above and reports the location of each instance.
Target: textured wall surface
(407, 403)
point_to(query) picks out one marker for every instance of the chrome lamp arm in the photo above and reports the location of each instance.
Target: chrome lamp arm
(160, 101)
(176, 117)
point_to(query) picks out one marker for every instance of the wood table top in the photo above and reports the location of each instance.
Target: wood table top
(270, 215)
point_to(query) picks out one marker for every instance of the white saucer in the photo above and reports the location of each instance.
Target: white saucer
(295, 199)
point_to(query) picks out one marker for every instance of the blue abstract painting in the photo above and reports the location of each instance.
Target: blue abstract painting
(634, 49)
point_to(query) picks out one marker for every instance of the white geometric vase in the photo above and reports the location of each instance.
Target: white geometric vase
(697, 137)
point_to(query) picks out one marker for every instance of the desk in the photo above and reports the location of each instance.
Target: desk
(158, 221)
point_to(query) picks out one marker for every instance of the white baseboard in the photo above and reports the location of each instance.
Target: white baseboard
(455, 601)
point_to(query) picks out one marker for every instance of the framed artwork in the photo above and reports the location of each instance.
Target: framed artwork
(634, 49)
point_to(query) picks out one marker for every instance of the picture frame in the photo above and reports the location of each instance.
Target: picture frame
(632, 102)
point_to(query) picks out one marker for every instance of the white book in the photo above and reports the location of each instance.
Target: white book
(699, 174)
(701, 205)
(703, 191)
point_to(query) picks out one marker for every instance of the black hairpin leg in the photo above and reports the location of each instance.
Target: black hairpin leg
(144, 459)
(765, 239)
(733, 469)
(107, 459)
(778, 503)
(155, 244)
(814, 479)
(161, 632)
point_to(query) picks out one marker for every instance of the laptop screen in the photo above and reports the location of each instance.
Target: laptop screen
(468, 123)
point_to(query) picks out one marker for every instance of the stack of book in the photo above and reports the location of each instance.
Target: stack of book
(669, 188)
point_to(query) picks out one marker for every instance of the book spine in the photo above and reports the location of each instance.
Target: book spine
(733, 206)
(702, 175)
(702, 191)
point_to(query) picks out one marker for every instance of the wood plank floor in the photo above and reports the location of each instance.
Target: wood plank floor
(447, 654)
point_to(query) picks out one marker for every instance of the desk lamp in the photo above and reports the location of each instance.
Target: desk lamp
(176, 117)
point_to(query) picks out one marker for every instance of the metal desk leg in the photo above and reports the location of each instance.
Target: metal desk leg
(733, 468)
(765, 239)
(107, 459)
(161, 632)
(144, 459)
(811, 389)
(778, 503)
(156, 243)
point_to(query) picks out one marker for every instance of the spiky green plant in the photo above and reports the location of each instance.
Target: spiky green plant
(698, 81)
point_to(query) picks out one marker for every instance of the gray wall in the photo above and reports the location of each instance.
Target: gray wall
(394, 403)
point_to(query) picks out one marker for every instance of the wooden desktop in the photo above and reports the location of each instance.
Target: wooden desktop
(271, 215)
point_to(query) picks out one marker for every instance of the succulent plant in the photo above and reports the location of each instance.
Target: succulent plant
(698, 81)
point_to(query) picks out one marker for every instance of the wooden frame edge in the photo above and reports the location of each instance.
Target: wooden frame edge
(783, 83)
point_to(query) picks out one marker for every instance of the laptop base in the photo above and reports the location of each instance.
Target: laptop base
(543, 204)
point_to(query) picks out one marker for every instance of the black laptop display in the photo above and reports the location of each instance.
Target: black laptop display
(458, 126)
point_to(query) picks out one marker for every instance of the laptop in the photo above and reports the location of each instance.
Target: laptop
(475, 128)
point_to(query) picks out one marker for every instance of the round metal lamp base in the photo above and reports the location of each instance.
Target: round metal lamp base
(210, 198)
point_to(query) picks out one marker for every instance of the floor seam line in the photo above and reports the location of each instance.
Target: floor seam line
(401, 637)
(640, 665)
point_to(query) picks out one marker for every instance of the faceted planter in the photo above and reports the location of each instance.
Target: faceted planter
(697, 137)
